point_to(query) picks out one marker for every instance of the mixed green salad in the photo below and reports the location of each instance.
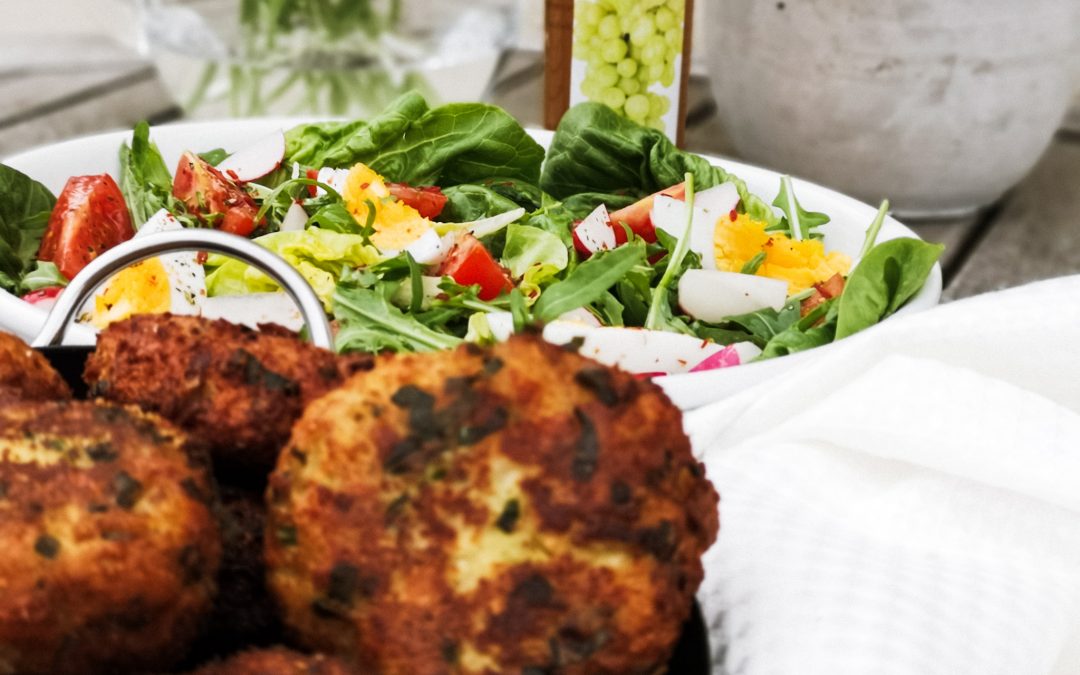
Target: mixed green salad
(422, 228)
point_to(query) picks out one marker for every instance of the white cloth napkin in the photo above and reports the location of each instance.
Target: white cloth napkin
(908, 503)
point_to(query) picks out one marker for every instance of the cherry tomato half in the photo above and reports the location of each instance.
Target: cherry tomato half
(638, 216)
(89, 218)
(428, 200)
(470, 263)
(207, 192)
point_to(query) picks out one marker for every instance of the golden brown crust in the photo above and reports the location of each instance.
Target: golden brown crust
(108, 546)
(26, 374)
(490, 511)
(233, 388)
(277, 661)
(244, 613)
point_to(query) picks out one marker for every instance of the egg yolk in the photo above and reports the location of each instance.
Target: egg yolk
(140, 289)
(396, 224)
(800, 263)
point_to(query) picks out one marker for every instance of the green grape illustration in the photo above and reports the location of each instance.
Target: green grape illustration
(628, 46)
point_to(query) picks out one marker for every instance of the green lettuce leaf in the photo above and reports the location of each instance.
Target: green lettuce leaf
(319, 255)
(25, 207)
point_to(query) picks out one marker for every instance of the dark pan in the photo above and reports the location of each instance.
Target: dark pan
(691, 654)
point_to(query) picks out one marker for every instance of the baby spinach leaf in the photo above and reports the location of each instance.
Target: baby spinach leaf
(25, 207)
(468, 202)
(596, 149)
(890, 274)
(409, 142)
(589, 280)
(583, 203)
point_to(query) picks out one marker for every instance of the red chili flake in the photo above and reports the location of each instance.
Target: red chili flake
(201, 257)
(734, 215)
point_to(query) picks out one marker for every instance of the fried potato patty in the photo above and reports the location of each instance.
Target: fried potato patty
(521, 509)
(26, 374)
(108, 545)
(277, 661)
(233, 388)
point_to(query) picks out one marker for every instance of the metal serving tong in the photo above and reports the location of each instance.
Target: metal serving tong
(135, 250)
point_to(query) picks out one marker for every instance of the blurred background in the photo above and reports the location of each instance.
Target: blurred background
(965, 113)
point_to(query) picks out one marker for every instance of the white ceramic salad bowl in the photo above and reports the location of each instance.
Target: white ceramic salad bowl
(54, 164)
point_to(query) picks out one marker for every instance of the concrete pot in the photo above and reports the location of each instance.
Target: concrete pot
(940, 105)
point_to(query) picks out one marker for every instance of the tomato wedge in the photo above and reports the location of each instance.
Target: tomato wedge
(89, 218)
(428, 200)
(207, 192)
(469, 263)
(638, 216)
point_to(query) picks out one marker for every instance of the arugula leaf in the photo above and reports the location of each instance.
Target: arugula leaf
(370, 323)
(797, 221)
(410, 142)
(214, 157)
(661, 316)
(596, 149)
(887, 277)
(752, 265)
(758, 327)
(813, 330)
(25, 207)
(336, 218)
(589, 281)
(145, 180)
(44, 275)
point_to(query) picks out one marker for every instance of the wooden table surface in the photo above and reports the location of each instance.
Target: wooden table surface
(1032, 233)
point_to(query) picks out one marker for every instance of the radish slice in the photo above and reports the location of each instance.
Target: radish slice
(487, 226)
(295, 218)
(336, 179)
(725, 358)
(718, 200)
(594, 232)
(635, 350)
(256, 160)
(429, 291)
(712, 296)
(428, 248)
(732, 355)
(669, 215)
(253, 309)
(501, 325)
(582, 316)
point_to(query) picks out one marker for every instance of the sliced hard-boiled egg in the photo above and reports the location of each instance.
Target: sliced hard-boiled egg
(174, 282)
(396, 224)
(799, 263)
